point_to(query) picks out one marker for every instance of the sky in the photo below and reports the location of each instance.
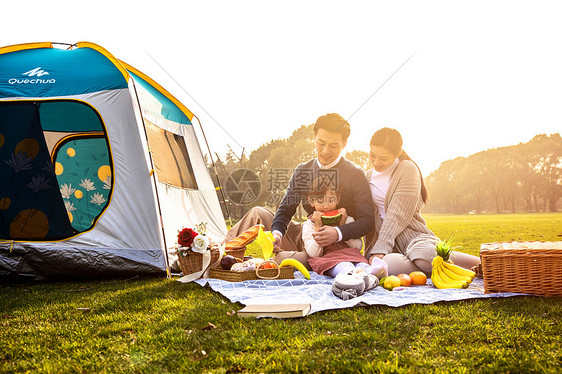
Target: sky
(454, 78)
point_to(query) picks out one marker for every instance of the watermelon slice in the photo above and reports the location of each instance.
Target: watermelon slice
(331, 218)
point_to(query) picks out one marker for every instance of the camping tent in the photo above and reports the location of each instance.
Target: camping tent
(99, 166)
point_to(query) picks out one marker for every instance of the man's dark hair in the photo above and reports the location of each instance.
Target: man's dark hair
(334, 123)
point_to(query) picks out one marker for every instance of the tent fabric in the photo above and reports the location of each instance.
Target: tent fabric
(65, 116)
(131, 219)
(113, 210)
(155, 101)
(149, 81)
(190, 205)
(184, 206)
(55, 262)
(83, 172)
(170, 157)
(59, 73)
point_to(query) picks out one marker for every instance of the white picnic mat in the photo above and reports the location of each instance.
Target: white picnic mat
(318, 292)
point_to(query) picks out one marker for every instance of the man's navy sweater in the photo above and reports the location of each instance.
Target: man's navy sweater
(355, 196)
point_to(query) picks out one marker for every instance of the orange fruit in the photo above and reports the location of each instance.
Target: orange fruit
(405, 280)
(267, 265)
(418, 278)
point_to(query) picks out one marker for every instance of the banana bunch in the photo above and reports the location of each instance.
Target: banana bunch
(448, 275)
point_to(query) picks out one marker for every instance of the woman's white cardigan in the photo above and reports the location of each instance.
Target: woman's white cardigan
(403, 221)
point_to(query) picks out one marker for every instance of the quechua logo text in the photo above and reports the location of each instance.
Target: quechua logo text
(34, 76)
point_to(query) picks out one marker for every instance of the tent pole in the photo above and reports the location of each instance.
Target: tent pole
(215, 170)
(153, 175)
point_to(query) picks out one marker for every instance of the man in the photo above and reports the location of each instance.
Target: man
(330, 138)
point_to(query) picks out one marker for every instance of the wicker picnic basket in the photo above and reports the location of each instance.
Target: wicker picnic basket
(236, 252)
(527, 267)
(286, 272)
(192, 262)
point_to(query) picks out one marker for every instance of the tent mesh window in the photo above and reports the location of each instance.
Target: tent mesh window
(170, 157)
(56, 169)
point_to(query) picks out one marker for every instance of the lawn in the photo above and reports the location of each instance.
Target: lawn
(157, 325)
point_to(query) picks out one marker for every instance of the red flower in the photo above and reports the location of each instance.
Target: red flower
(186, 236)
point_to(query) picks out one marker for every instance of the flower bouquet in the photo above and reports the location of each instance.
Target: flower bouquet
(193, 245)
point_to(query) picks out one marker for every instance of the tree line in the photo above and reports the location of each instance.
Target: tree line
(524, 177)
(272, 164)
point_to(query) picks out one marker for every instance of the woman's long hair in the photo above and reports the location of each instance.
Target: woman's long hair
(392, 141)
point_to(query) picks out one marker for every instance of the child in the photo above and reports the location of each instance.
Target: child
(341, 257)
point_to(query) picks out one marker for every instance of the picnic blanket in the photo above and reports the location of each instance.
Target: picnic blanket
(318, 292)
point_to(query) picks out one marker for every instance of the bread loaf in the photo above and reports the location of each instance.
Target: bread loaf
(243, 239)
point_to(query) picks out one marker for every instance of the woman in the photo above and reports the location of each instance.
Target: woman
(399, 194)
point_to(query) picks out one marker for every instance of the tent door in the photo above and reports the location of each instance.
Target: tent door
(31, 206)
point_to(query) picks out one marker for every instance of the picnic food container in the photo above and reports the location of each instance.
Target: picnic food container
(239, 276)
(526, 267)
(192, 262)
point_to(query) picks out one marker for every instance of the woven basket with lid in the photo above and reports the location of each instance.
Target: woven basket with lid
(526, 267)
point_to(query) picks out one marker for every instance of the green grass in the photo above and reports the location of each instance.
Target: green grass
(151, 325)
(469, 231)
